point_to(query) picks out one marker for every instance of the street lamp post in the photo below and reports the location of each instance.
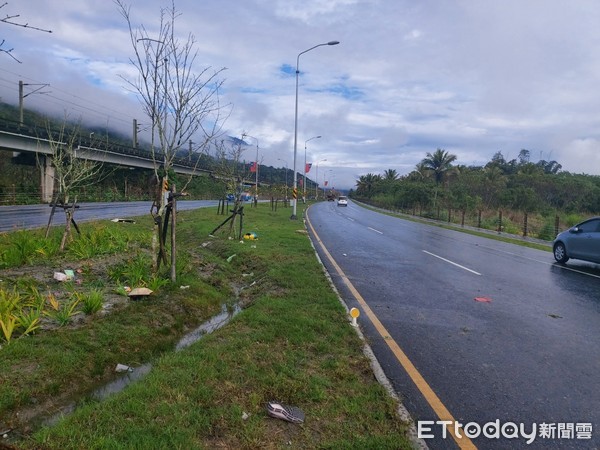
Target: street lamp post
(317, 178)
(294, 210)
(305, 142)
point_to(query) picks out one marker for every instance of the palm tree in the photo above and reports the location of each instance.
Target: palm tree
(438, 163)
(419, 173)
(366, 184)
(390, 175)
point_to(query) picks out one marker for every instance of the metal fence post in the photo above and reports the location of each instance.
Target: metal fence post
(499, 221)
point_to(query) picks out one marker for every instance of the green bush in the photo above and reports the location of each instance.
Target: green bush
(571, 219)
(91, 302)
(547, 232)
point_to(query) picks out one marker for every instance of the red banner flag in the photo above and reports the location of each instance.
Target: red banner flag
(301, 182)
(253, 167)
(307, 167)
(326, 183)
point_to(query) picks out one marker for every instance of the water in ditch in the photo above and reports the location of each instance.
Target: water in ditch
(134, 374)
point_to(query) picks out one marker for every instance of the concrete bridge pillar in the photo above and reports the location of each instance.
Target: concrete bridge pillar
(47, 179)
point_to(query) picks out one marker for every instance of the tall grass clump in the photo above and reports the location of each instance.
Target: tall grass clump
(97, 241)
(62, 312)
(19, 314)
(24, 247)
(91, 302)
(136, 271)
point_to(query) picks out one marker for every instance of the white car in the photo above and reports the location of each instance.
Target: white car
(342, 200)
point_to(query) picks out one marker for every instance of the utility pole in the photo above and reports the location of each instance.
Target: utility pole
(20, 102)
(135, 133)
(21, 96)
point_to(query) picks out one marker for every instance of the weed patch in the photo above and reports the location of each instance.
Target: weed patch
(291, 343)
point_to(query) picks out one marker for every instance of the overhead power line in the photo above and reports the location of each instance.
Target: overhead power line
(79, 103)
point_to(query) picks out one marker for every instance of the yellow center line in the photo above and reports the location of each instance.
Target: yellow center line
(430, 396)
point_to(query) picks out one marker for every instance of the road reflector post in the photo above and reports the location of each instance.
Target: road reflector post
(354, 313)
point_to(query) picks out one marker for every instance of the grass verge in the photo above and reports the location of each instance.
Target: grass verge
(291, 343)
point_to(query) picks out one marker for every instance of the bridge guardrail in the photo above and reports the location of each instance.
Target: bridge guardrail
(39, 131)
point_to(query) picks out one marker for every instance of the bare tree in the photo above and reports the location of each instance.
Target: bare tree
(181, 102)
(10, 20)
(230, 170)
(71, 171)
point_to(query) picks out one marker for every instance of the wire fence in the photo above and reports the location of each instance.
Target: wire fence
(33, 196)
(524, 224)
(13, 196)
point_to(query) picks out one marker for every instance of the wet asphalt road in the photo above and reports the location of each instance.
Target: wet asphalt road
(529, 353)
(36, 216)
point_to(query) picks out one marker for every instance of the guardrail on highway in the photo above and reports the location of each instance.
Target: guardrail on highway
(43, 132)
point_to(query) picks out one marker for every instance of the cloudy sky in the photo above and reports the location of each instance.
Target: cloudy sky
(470, 76)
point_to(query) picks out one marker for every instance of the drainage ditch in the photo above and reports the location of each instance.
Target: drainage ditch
(128, 376)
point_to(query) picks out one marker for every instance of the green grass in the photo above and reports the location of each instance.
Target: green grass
(291, 343)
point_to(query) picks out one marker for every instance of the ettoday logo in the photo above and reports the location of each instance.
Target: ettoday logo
(429, 429)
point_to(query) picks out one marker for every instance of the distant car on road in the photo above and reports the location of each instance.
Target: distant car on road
(579, 242)
(342, 200)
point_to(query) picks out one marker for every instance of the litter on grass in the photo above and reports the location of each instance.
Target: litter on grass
(59, 276)
(66, 275)
(285, 412)
(123, 368)
(139, 292)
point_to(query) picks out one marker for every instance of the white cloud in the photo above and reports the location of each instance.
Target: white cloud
(473, 77)
(579, 156)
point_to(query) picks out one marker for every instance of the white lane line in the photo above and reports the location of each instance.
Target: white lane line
(376, 231)
(569, 269)
(350, 219)
(557, 265)
(450, 262)
(553, 264)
